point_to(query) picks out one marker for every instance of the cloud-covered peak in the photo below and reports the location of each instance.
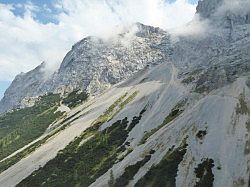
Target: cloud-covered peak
(222, 8)
(206, 8)
(29, 38)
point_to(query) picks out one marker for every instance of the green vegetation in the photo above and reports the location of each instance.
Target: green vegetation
(196, 72)
(190, 77)
(242, 107)
(80, 164)
(110, 112)
(205, 174)
(130, 171)
(114, 109)
(201, 89)
(247, 147)
(164, 173)
(248, 125)
(173, 114)
(20, 127)
(188, 80)
(112, 179)
(75, 98)
(45, 112)
(129, 99)
(69, 119)
(14, 159)
(201, 134)
(136, 119)
(22, 154)
(240, 182)
(248, 82)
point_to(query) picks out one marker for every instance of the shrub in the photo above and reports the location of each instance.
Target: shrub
(204, 173)
(130, 171)
(173, 114)
(75, 98)
(81, 164)
(164, 173)
(20, 127)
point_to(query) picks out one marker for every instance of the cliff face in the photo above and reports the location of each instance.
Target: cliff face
(24, 85)
(227, 13)
(183, 120)
(206, 9)
(93, 65)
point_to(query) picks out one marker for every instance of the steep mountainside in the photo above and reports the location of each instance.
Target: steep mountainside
(184, 120)
(92, 65)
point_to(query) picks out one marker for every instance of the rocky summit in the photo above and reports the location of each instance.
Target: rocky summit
(146, 108)
(93, 65)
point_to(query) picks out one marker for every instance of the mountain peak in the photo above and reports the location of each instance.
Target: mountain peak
(206, 8)
(225, 13)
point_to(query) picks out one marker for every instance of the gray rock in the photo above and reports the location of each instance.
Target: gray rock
(93, 65)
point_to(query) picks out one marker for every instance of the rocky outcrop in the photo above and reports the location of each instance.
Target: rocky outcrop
(182, 121)
(207, 8)
(227, 13)
(92, 65)
(24, 85)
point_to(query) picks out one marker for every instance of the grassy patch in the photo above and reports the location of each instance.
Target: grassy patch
(20, 127)
(248, 125)
(75, 98)
(130, 171)
(188, 80)
(247, 147)
(204, 173)
(70, 117)
(49, 99)
(14, 159)
(242, 107)
(114, 109)
(173, 114)
(164, 173)
(248, 82)
(129, 99)
(240, 182)
(201, 89)
(80, 164)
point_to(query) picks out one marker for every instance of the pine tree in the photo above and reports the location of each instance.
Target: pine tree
(112, 179)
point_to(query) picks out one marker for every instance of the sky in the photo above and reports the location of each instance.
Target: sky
(33, 31)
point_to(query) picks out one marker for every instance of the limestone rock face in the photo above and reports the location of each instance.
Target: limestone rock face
(227, 13)
(206, 8)
(191, 89)
(92, 65)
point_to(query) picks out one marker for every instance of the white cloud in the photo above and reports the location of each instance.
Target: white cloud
(198, 28)
(237, 7)
(26, 42)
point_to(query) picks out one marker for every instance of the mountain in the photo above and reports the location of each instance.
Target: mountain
(207, 9)
(170, 110)
(92, 65)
